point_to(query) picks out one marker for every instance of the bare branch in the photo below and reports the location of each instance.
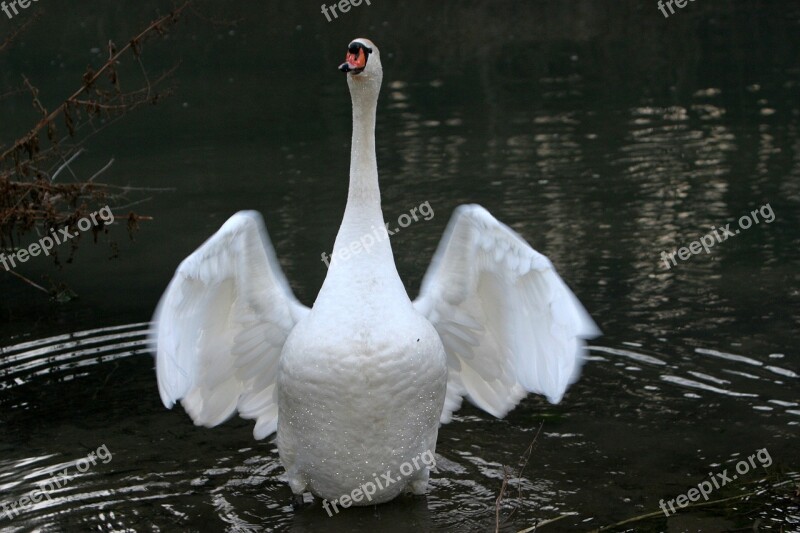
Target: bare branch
(93, 76)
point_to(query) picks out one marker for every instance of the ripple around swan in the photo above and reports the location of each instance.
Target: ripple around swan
(67, 356)
(729, 356)
(167, 471)
(739, 377)
(145, 483)
(696, 384)
(636, 356)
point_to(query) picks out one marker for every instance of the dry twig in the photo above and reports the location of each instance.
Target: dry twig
(30, 198)
(523, 462)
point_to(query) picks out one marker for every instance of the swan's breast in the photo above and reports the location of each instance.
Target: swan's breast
(356, 400)
(363, 366)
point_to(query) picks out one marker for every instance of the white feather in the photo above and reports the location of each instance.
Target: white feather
(223, 321)
(508, 322)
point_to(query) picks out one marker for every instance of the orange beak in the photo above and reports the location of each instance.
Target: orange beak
(354, 62)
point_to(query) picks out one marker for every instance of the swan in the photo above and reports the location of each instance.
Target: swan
(357, 386)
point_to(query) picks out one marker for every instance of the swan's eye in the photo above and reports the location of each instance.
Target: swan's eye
(355, 46)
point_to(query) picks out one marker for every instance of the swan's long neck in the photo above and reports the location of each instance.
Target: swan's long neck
(362, 240)
(364, 196)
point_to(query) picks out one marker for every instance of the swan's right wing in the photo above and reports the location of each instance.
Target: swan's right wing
(508, 323)
(220, 327)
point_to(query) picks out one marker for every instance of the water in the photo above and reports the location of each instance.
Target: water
(602, 132)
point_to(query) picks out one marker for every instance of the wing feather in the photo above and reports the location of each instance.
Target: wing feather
(221, 325)
(508, 322)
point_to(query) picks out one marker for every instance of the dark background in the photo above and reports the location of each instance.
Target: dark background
(601, 131)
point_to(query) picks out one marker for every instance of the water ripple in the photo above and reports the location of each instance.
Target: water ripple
(697, 385)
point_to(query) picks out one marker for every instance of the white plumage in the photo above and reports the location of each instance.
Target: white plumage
(357, 386)
(221, 326)
(508, 322)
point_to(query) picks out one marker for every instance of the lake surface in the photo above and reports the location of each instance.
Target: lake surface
(602, 132)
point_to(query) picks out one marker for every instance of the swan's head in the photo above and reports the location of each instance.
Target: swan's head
(362, 63)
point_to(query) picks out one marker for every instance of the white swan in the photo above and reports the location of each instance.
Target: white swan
(357, 386)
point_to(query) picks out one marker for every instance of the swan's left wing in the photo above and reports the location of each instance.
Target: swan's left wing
(221, 325)
(508, 323)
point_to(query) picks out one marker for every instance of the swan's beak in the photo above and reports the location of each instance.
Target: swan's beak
(356, 60)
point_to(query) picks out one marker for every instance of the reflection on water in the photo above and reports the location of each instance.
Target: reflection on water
(603, 135)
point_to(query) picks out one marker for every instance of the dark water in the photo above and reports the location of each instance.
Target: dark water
(601, 131)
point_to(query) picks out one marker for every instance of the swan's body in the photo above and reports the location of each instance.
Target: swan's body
(356, 386)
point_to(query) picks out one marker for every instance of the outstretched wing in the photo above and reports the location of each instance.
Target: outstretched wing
(508, 322)
(220, 327)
